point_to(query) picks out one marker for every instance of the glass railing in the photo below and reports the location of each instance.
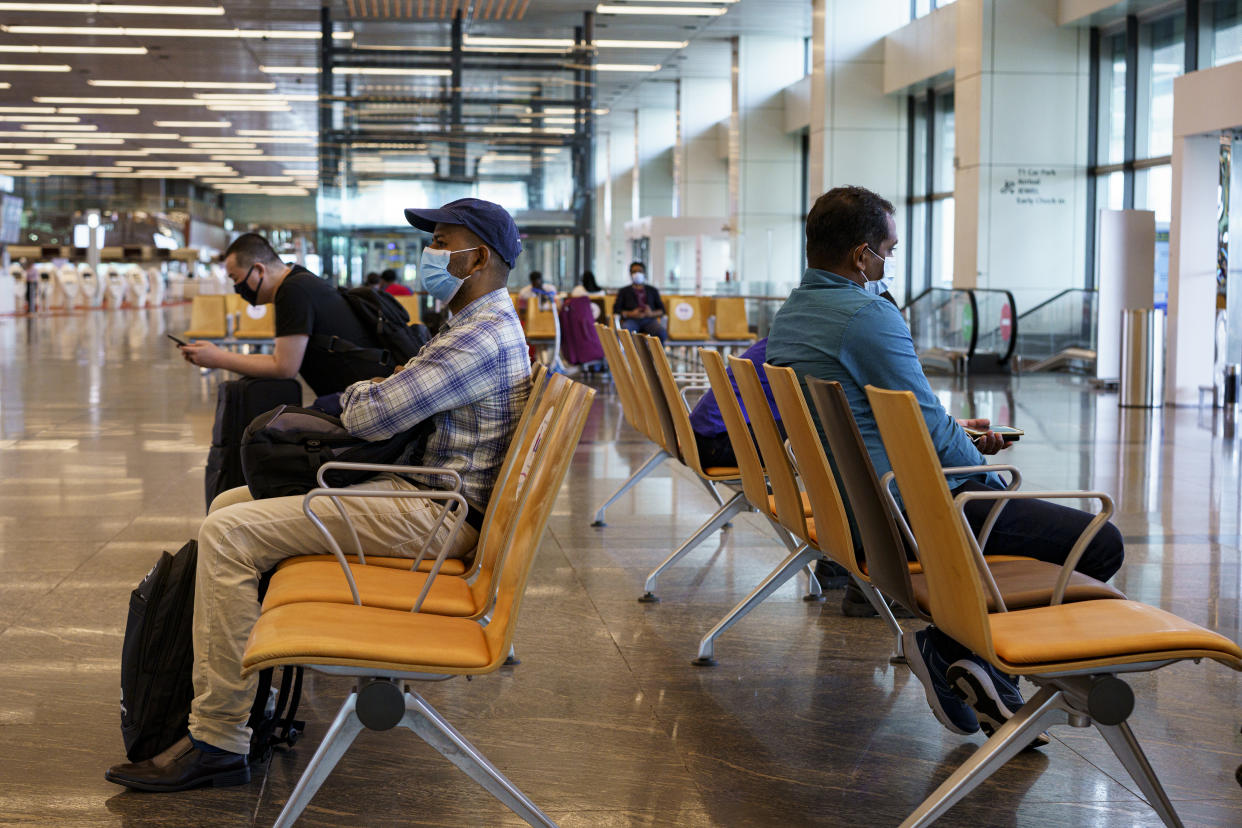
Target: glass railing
(942, 320)
(1057, 325)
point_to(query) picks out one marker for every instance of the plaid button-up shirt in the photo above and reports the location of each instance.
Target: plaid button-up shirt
(472, 379)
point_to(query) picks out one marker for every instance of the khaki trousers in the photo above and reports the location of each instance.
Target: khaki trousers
(242, 538)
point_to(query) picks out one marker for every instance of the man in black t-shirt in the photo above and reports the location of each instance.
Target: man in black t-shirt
(308, 309)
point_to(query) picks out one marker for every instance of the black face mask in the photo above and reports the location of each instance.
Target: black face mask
(242, 289)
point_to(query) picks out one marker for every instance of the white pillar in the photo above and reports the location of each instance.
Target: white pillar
(1020, 98)
(1127, 280)
(1192, 268)
(769, 164)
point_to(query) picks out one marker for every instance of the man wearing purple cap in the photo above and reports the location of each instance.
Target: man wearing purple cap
(472, 380)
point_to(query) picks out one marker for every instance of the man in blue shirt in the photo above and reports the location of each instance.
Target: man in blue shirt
(833, 328)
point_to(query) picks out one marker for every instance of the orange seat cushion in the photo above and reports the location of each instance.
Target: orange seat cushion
(452, 566)
(1027, 583)
(722, 472)
(1099, 630)
(367, 637)
(378, 586)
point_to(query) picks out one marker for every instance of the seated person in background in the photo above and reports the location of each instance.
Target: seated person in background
(640, 305)
(535, 290)
(709, 429)
(587, 284)
(392, 286)
(833, 328)
(372, 281)
(472, 380)
(309, 312)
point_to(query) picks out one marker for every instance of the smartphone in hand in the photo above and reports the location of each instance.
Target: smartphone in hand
(1008, 433)
(179, 341)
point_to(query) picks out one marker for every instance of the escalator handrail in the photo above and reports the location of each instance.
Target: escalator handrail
(1052, 299)
(1013, 317)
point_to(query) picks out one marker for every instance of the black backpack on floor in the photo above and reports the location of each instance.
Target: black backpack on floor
(387, 321)
(156, 661)
(283, 449)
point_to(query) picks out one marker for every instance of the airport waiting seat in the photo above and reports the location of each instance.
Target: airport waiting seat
(256, 322)
(450, 566)
(885, 536)
(1074, 653)
(411, 305)
(385, 650)
(234, 304)
(731, 324)
(208, 318)
(686, 318)
(469, 594)
(762, 496)
(633, 409)
(673, 411)
(540, 319)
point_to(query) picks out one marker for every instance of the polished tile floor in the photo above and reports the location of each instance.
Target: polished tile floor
(103, 436)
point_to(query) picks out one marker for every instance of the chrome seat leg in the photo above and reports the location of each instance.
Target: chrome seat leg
(341, 734)
(787, 569)
(435, 730)
(654, 460)
(735, 506)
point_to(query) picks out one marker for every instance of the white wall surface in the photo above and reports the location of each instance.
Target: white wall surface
(1020, 88)
(923, 49)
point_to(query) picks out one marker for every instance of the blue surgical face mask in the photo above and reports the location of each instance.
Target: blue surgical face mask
(434, 274)
(885, 282)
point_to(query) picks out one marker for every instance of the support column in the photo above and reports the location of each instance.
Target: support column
(1021, 89)
(765, 165)
(857, 133)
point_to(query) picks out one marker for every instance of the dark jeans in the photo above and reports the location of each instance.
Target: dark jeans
(715, 451)
(1037, 529)
(718, 450)
(650, 326)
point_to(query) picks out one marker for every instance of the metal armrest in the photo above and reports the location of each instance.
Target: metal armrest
(334, 494)
(687, 389)
(886, 483)
(793, 461)
(1080, 546)
(380, 468)
(1015, 481)
(981, 566)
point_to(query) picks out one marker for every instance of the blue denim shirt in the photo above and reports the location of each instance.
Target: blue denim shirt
(834, 329)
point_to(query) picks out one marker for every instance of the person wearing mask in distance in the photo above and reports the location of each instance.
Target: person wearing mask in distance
(471, 380)
(640, 305)
(309, 312)
(834, 328)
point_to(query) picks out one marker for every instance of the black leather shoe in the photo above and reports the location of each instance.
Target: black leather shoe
(181, 768)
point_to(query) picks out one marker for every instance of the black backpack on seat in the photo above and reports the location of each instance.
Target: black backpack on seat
(282, 451)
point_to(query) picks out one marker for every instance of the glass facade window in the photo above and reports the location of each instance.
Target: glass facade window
(1162, 57)
(929, 233)
(1226, 31)
(1112, 114)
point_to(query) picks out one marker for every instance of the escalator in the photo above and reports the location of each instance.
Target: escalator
(957, 330)
(1059, 333)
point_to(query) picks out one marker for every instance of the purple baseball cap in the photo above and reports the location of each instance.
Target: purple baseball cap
(490, 222)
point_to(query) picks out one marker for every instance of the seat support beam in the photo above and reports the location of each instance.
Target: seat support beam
(433, 729)
(646, 468)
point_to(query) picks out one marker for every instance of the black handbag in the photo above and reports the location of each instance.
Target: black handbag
(282, 451)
